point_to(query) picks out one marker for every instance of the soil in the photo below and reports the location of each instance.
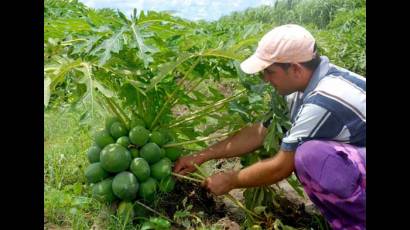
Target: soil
(217, 210)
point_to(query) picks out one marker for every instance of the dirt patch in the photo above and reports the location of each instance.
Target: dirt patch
(217, 210)
(200, 199)
(227, 224)
(50, 226)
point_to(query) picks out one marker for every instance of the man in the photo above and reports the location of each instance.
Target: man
(325, 145)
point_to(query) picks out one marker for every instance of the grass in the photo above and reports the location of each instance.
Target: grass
(68, 203)
(67, 198)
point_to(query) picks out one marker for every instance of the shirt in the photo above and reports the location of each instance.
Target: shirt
(332, 107)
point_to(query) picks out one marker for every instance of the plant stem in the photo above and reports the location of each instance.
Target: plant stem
(102, 104)
(112, 107)
(191, 89)
(217, 103)
(74, 40)
(154, 211)
(140, 109)
(204, 54)
(200, 171)
(187, 178)
(186, 74)
(191, 115)
(230, 197)
(127, 120)
(198, 175)
(204, 113)
(172, 94)
(199, 140)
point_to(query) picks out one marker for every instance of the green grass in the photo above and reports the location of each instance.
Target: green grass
(67, 198)
(68, 201)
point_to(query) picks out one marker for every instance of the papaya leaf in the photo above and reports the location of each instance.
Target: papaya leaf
(253, 98)
(199, 95)
(85, 47)
(167, 68)
(236, 107)
(258, 88)
(217, 95)
(111, 45)
(129, 93)
(143, 48)
(139, 86)
(294, 183)
(228, 54)
(58, 71)
(123, 17)
(106, 92)
(271, 143)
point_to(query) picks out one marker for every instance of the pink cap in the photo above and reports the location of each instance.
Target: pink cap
(284, 44)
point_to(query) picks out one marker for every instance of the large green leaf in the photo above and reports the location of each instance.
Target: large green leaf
(153, 17)
(238, 108)
(111, 45)
(167, 68)
(85, 47)
(228, 54)
(129, 92)
(58, 70)
(144, 50)
(106, 92)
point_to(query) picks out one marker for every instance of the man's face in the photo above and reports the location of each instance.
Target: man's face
(283, 81)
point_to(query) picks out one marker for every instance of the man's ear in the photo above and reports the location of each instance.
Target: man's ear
(297, 69)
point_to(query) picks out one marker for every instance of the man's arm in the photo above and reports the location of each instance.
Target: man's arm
(266, 172)
(245, 141)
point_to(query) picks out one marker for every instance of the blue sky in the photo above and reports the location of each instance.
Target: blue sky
(190, 9)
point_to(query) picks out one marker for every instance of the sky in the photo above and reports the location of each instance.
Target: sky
(208, 10)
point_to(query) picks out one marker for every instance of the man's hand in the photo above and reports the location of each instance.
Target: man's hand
(245, 141)
(221, 183)
(185, 164)
(265, 172)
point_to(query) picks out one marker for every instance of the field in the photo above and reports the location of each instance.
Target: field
(180, 76)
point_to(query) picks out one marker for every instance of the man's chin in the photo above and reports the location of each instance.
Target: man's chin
(280, 92)
(284, 93)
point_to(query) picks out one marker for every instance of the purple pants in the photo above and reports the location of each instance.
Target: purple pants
(333, 175)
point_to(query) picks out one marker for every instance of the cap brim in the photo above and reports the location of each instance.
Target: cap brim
(254, 64)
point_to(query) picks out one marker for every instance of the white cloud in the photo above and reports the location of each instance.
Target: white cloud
(201, 3)
(216, 4)
(237, 3)
(186, 2)
(189, 9)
